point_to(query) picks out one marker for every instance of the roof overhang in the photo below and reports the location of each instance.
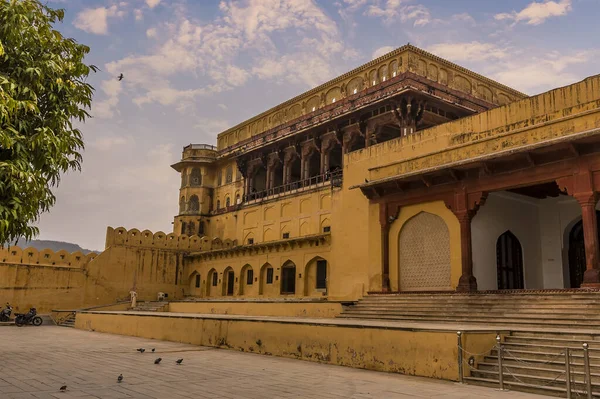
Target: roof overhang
(506, 161)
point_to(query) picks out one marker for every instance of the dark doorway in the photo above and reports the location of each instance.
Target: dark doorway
(509, 261)
(288, 279)
(577, 254)
(230, 281)
(321, 274)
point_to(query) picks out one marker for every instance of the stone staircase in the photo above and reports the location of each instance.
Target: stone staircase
(535, 362)
(560, 309)
(151, 306)
(541, 324)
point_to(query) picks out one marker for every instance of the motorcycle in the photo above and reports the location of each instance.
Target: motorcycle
(30, 317)
(5, 314)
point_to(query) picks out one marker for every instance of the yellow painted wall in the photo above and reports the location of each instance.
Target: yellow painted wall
(423, 353)
(41, 286)
(287, 309)
(303, 257)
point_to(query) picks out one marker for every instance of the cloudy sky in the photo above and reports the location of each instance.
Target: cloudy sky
(194, 68)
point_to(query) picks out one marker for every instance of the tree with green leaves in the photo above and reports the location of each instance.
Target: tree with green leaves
(43, 92)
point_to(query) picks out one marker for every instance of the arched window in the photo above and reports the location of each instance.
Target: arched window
(182, 205)
(201, 228)
(229, 174)
(509, 259)
(191, 228)
(194, 204)
(215, 277)
(197, 281)
(195, 177)
(237, 199)
(227, 202)
(218, 204)
(183, 227)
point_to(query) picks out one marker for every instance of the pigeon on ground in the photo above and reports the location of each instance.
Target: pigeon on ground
(179, 361)
(153, 349)
(63, 388)
(120, 378)
(157, 360)
(143, 350)
(120, 77)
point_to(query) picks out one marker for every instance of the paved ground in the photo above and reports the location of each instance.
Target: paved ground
(36, 361)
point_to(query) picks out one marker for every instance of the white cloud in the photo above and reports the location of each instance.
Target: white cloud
(139, 14)
(392, 10)
(244, 28)
(539, 73)
(382, 51)
(110, 143)
(95, 20)
(471, 51)
(152, 3)
(106, 107)
(536, 13)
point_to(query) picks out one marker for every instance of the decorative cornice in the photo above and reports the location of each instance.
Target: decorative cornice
(364, 68)
(262, 247)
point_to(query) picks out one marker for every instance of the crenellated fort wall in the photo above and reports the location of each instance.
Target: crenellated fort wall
(145, 261)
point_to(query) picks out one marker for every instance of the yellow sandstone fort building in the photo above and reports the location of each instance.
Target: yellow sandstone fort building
(410, 186)
(409, 173)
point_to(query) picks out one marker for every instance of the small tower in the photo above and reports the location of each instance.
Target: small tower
(196, 192)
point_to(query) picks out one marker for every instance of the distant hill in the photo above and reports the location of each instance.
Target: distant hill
(54, 245)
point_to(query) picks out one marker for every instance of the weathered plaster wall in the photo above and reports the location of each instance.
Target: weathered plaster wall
(423, 353)
(542, 227)
(41, 286)
(288, 309)
(502, 212)
(48, 280)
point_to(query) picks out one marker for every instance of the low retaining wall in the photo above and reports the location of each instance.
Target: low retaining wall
(289, 309)
(428, 353)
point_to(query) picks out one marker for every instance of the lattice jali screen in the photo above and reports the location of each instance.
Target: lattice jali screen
(424, 254)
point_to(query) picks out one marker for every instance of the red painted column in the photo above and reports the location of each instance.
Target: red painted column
(465, 205)
(588, 201)
(386, 217)
(467, 281)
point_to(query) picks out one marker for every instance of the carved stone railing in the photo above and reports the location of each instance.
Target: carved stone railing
(334, 179)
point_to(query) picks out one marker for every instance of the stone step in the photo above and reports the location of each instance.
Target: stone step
(428, 306)
(570, 342)
(533, 353)
(558, 380)
(554, 335)
(542, 371)
(484, 299)
(480, 313)
(556, 364)
(518, 386)
(550, 347)
(477, 320)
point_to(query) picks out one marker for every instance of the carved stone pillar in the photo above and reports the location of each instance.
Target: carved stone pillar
(588, 201)
(386, 218)
(465, 207)
(581, 186)
(467, 281)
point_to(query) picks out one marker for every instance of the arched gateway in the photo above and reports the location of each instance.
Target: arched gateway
(424, 254)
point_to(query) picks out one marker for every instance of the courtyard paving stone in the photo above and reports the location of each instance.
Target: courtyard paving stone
(36, 361)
